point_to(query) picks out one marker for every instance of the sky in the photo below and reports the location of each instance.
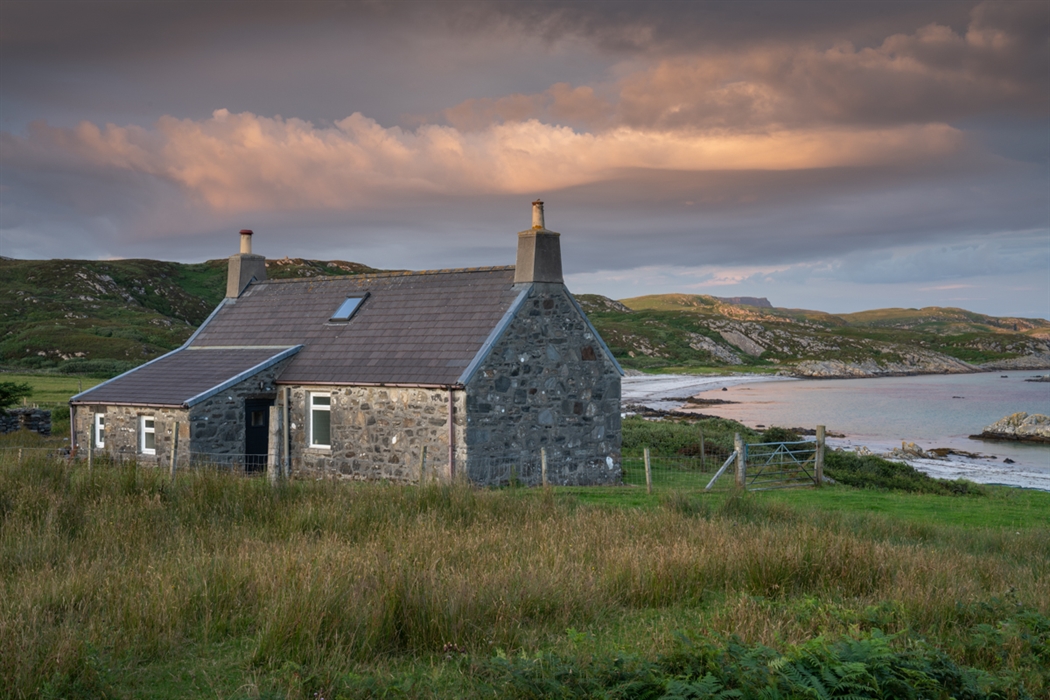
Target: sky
(832, 156)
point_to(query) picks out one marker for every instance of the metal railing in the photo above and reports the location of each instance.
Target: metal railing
(779, 465)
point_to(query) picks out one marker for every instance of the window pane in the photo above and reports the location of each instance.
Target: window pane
(322, 400)
(321, 425)
(149, 441)
(148, 422)
(347, 308)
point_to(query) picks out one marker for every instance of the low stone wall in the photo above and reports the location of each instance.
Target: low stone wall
(34, 419)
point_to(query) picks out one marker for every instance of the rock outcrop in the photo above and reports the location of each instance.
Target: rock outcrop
(1022, 427)
(743, 342)
(705, 344)
(910, 363)
(1036, 360)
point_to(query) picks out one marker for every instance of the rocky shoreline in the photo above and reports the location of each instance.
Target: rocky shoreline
(869, 369)
(1018, 427)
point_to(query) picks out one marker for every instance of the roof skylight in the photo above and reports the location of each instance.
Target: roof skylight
(348, 308)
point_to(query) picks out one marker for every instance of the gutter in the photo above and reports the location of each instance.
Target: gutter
(395, 385)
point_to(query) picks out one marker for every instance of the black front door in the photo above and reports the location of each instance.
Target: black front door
(256, 433)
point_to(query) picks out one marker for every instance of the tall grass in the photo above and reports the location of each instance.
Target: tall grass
(124, 564)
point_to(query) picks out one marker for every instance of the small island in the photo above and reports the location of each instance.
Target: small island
(1018, 427)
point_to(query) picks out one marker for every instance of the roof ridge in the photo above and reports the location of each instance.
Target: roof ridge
(402, 273)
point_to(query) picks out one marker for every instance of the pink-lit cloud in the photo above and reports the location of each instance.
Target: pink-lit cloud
(245, 161)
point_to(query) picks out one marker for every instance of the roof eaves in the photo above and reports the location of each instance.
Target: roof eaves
(77, 398)
(494, 336)
(194, 400)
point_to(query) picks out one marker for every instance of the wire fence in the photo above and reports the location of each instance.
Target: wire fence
(237, 463)
(679, 471)
(765, 466)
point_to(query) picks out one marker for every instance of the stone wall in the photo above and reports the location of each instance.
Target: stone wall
(546, 384)
(34, 419)
(122, 431)
(377, 433)
(218, 422)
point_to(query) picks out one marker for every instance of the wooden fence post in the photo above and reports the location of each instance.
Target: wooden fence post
(286, 455)
(818, 459)
(174, 449)
(648, 472)
(91, 451)
(423, 465)
(543, 466)
(741, 467)
(274, 453)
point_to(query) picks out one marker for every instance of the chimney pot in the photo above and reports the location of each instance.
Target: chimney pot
(246, 241)
(537, 214)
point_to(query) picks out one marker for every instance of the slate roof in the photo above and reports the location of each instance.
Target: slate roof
(416, 328)
(183, 377)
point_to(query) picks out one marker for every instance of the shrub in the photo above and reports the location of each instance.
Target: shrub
(777, 434)
(12, 392)
(870, 471)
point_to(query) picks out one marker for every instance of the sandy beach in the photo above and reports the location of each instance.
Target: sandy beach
(669, 392)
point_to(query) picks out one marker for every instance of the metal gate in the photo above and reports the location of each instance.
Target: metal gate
(780, 465)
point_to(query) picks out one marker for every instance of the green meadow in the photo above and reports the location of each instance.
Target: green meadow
(118, 582)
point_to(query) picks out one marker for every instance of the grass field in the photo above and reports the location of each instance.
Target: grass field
(51, 390)
(119, 583)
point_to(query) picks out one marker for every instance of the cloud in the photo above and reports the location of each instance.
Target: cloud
(932, 74)
(245, 161)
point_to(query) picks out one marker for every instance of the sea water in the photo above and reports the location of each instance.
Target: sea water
(931, 411)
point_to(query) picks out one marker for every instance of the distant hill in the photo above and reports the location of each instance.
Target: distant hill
(681, 330)
(103, 317)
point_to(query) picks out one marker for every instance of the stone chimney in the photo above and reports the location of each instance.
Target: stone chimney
(539, 252)
(243, 267)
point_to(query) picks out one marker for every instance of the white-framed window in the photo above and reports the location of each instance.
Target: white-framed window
(320, 420)
(147, 435)
(100, 430)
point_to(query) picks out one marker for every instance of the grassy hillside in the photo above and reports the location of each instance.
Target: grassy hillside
(680, 330)
(103, 317)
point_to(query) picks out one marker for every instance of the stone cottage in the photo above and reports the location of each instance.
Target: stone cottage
(449, 373)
